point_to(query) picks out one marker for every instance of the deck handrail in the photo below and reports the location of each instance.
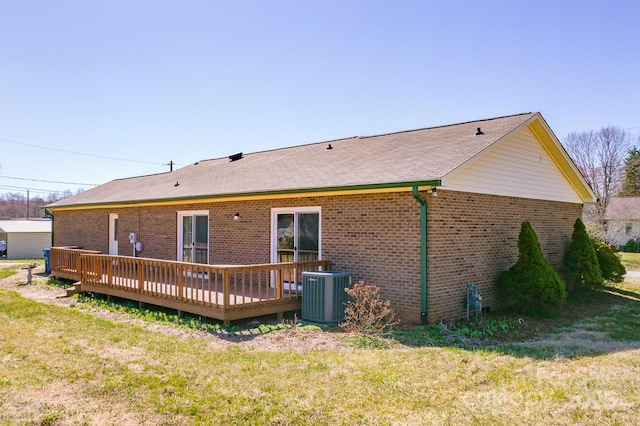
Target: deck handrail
(220, 286)
(65, 261)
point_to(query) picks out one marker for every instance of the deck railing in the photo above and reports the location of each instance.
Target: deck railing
(65, 262)
(220, 286)
(224, 292)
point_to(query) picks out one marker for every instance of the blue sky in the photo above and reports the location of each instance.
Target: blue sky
(135, 84)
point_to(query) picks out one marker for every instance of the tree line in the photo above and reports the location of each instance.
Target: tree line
(16, 205)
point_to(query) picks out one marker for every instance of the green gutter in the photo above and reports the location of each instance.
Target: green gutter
(423, 254)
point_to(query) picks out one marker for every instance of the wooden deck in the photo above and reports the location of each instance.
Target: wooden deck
(224, 292)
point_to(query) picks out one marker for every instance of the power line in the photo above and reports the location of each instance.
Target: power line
(36, 190)
(76, 153)
(48, 181)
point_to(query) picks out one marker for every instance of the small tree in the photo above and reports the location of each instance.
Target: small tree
(366, 312)
(580, 265)
(600, 157)
(531, 281)
(631, 184)
(612, 268)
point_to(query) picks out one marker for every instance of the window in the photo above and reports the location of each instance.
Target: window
(627, 228)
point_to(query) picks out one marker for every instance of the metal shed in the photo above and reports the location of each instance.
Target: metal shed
(25, 238)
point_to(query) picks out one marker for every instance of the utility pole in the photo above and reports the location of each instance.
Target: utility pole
(27, 204)
(171, 163)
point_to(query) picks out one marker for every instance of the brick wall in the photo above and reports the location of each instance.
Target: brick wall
(376, 237)
(473, 237)
(86, 228)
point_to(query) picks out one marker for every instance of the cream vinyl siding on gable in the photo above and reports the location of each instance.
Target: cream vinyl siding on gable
(517, 167)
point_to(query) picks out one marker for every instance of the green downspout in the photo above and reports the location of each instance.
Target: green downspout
(48, 213)
(423, 254)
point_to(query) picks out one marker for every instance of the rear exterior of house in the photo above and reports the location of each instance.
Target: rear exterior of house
(420, 249)
(25, 239)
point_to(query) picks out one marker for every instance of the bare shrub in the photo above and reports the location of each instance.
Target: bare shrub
(366, 312)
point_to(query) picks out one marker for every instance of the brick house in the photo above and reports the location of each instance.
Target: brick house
(366, 204)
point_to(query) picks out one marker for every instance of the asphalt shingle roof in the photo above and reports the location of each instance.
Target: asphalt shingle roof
(408, 156)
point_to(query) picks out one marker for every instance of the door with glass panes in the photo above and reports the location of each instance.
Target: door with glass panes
(296, 235)
(193, 237)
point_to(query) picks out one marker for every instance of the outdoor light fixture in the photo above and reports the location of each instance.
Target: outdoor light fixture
(434, 191)
(236, 216)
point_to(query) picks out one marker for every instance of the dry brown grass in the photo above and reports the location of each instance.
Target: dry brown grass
(63, 365)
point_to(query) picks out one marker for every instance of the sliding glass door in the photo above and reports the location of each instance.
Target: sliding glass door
(295, 235)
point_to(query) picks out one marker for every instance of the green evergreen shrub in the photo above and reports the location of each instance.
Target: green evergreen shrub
(610, 265)
(581, 270)
(531, 282)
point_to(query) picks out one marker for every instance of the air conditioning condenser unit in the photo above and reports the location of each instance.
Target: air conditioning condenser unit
(323, 296)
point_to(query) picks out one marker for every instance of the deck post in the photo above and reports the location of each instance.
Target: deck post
(226, 290)
(140, 267)
(180, 274)
(279, 278)
(109, 271)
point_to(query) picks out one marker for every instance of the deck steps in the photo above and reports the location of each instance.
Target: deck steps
(77, 288)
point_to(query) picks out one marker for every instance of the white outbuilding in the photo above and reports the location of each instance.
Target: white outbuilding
(25, 239)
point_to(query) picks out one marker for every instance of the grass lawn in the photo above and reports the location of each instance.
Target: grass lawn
(631, 261)
(63, 365)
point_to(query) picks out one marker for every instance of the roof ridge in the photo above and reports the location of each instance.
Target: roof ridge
(372, 136)
(147, 175)
(446, 125)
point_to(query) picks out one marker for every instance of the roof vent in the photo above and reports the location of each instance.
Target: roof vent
(329, 147)
(235, 156)
(479, 132)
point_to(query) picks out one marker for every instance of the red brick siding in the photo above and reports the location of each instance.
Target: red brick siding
(88, 228)
(376, 237)
(473, 237)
